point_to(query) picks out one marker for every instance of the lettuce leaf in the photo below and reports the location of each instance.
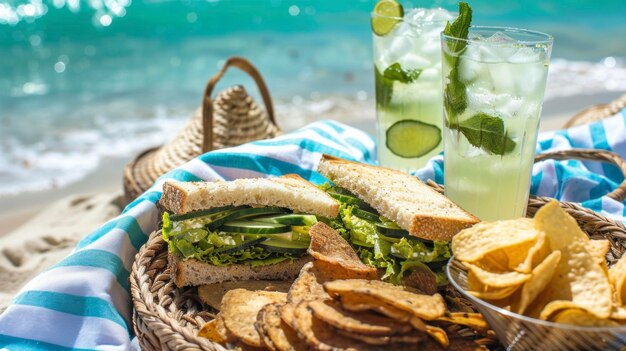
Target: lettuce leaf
(205, 246)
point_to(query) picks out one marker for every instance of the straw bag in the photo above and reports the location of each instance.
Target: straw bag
(597, 112)
(168, 318)
(232, 119)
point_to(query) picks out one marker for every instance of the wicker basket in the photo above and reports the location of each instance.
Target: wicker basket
(232, 119)
(597, 112)
(168, 318)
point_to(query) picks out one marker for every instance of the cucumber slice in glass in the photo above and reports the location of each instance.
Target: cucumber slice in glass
(254, 227)
(410, 138)
(386, 14)
(285, 246)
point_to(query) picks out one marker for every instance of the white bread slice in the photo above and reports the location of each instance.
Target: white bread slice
(402, 198)
(193, 272)
(290, 191)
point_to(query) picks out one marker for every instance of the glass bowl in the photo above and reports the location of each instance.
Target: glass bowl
(517, 332)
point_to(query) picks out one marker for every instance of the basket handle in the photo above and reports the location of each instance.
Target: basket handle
(619, 193)
(207, 103)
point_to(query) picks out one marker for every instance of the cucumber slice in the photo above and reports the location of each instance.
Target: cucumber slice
(367, 215)
(290, 219)
(410, 138)
(386, 14)
(242, 213)
(254, 227)
(437, 265)
(242, 246)
(361, 243)
(285, 246)
(392, 230)
(196, 214)
(349, 199)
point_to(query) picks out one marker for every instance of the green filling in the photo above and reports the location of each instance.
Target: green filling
(216, 247)
(385, 253)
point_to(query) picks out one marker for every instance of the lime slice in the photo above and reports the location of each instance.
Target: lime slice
(409, 138)
(386, 14)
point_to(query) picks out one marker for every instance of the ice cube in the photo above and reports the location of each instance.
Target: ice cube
(526, 55)
(414, 61)
(503, 78)
(399, 47)
(430, 75)
(470, 67)
(499, 37)
(531, 80)
(508, 106)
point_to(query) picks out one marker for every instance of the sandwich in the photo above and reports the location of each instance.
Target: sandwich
(246, 229)
(394, 221)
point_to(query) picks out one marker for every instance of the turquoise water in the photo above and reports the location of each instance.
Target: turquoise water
(83, 80)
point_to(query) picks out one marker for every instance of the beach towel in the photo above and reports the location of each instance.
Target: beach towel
(83, 302)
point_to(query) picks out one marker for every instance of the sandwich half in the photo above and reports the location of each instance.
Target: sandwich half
(394, 221)
(241, 230)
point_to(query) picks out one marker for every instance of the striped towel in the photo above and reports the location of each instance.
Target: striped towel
(83, 302)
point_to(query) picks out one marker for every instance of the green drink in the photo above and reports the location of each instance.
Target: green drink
(494, 84)
(407, 68)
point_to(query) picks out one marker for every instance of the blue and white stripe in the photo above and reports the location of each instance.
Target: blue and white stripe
(83, 302)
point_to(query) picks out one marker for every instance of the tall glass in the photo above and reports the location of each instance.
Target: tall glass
(407, 66)
(493, 87)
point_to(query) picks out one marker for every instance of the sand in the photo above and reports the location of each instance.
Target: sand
(41, 228)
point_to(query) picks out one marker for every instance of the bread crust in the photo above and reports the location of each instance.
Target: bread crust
(192, 272)
(386, 190)
(289, 191)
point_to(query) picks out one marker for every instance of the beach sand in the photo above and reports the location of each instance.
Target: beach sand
(40, 228)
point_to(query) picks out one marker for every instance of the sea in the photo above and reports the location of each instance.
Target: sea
(86, 80)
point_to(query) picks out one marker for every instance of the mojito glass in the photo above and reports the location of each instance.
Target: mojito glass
(407, 68)
(493, 87)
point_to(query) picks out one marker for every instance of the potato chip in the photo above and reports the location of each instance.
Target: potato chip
(482, 291)
(555, 307)
(438, 334)
(358, 303)
(578, 277)
(618, 313)
(212, 294)
(412, 338)
(472, 320)
(275, 333)
(321, 336)
(329, 247)
(472, 244)
(540, 277)
(216, 331)
(331, 313)
(599, 249)
(530, 258)
(307, 287)
(577, 316)
(427, 307)
(617, 276)
(497, 279)
(240, 308)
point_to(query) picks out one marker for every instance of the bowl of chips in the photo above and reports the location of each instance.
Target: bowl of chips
(542, 283)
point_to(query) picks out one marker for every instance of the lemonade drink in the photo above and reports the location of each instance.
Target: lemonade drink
(494, 84)
(407, 68)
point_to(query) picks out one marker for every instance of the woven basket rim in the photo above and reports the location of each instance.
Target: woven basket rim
(173, 329)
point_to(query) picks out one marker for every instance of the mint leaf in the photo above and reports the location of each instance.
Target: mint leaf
(486, 132)
(395, 72)
(459, 28)
(384, 88)
(454, 94)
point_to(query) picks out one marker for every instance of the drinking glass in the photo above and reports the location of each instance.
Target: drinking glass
(493, 88)
(407, 66)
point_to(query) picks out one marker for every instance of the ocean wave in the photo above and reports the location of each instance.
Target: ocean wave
(58, 154)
